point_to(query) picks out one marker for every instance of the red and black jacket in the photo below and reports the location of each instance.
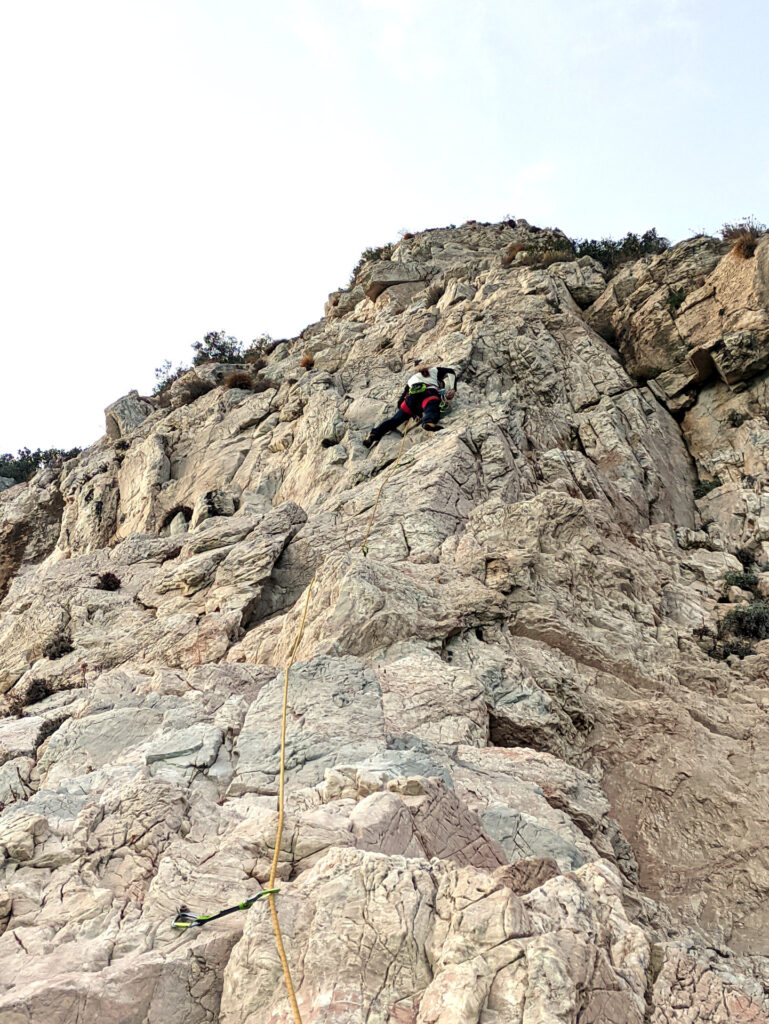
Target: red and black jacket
(415, 404)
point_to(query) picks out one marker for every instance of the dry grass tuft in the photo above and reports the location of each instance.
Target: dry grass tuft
(556, 256)
(744, 235)
(307, 361)
(241, 380)
(433, 293)
(745, 246)
(108, 581)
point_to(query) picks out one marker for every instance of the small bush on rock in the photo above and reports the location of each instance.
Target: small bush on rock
(736, 419)
(745, 247)
(243, 381)
(165, 375)
(744, 236)
(108, 581)
(745, 579)
(612, 254)
(749, 620)
(25, 463)
(546, 257)
(745, 555)
(676, 297)
(720, 646)
(58, 647)
(550, 248)
(217, 347)
(706, 486)
(383, 252)
(725, 648)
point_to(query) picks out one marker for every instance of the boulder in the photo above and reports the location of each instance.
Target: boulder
(378, 275)
(125, 415)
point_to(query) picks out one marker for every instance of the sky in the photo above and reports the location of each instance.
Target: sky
(173, 167)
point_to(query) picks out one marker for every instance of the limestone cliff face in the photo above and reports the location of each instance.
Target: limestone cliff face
(520, 788)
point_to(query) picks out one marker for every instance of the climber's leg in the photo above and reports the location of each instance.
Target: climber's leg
(389, 424)
(431, 410)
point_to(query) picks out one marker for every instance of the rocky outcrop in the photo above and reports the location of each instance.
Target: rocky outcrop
(519, 787)
(695, 313)
(125, 415)
(30, 522)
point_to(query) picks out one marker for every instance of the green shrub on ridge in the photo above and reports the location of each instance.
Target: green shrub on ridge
(25, 463)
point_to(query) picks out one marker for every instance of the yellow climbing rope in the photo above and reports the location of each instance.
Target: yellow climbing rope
(364, 545)
(282, 783)
(279, 833)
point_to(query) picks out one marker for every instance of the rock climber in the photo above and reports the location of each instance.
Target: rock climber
(422, 396)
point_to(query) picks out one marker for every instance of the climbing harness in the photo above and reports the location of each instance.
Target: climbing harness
(364, 545)
(184, 919)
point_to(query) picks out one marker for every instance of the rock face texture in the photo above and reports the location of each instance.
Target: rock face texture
(526, 778)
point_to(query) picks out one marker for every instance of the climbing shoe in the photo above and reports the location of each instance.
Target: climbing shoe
(431, 426)
(370, 439)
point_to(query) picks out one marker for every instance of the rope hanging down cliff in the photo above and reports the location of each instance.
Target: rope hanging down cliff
(279, 832)
(184, 919)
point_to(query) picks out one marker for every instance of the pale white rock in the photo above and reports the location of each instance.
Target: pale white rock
(457, 291)
(20, 737)
(585, 278)
(30, 523)
(636, 310)
(15, 776)
(125, 415)
(341, 302)
(518, 786)
(381, 274)
(454, 941)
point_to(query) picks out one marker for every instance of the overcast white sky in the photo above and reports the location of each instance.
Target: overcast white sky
(172, 168)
